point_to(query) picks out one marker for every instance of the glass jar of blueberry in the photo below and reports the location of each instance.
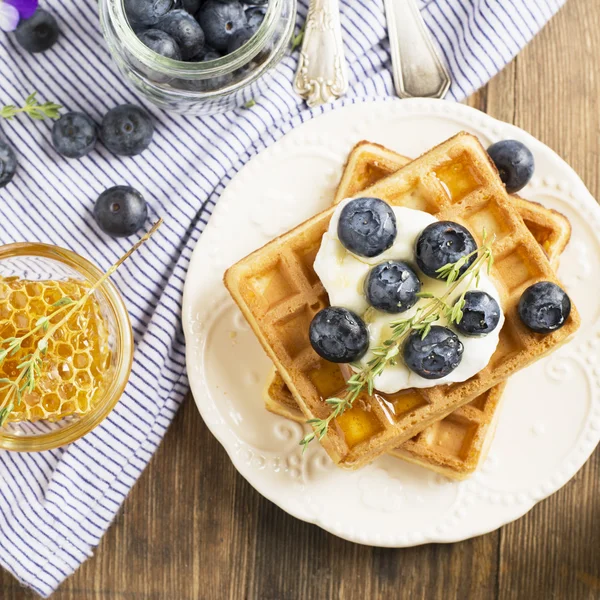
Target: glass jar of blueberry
(198, 56)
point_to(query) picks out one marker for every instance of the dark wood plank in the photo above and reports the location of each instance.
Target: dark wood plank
(192, 528)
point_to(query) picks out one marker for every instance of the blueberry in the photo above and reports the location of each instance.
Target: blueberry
(220, 20)
(146, 12)
(162, 43)
(38, 33)
(481, 314)
(74, 135)
(435, 356)
(514, 162)
(8, 164)
(239, 39)
(207, 53)
(392, 287)
(442, 243)
(544, 307)
(367, 226)
(184, 29)
(339, 335)
(255, 15)
(120, 211)
(127, 130)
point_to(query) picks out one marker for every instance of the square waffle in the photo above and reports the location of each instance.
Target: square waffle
(456, 445)
(279, 293)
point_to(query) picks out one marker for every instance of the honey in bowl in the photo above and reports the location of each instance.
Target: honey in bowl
(74, 367)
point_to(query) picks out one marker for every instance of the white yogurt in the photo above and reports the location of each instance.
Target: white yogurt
(343, 276)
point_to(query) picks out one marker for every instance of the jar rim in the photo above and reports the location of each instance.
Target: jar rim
(193, 70)
(125, 345)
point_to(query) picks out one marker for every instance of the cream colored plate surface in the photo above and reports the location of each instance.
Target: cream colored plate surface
(550, 422)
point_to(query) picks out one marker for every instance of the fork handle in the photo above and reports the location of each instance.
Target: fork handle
(418, 70)
(322, 74)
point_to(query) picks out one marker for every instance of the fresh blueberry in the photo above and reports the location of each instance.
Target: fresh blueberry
(147, 12)
(514, 162)
(127, 130)
(162, 43)
(255, 15)
(38, 33)
(435, 356)
(544, 307)
(443, 243)
(239, 39)
(367, 226)
(8, 164)
(120, 211)
(207, 53)
(74, 135)
(339, 335)
(220, 20)
(184, 29)
(481, 314)
(392, 287)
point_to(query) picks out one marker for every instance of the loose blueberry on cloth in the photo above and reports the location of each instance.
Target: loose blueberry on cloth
(56, 505)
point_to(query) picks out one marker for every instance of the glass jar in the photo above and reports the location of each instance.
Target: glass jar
(200, 88)
(40, 264)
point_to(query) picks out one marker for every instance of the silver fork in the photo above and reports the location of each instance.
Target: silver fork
(418, 70)
(322, 74)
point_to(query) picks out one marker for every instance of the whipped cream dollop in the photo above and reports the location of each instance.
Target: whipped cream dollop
(343, 275)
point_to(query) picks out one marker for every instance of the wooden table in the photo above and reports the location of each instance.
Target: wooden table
(194, 529)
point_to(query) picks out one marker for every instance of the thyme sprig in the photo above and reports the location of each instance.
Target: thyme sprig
(421, 321)
(30, 367)
(32, 108)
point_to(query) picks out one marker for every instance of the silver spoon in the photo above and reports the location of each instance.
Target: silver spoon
(418, 70)
(322, 74)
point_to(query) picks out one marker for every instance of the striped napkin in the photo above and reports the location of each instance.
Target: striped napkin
(56, 505)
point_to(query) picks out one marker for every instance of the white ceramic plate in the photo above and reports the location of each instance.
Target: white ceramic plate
(550, 422)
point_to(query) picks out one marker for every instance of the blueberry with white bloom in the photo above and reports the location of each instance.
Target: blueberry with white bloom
(514, 162)
(544, 307)
(74, 135)
(120, 211)
(220, 21)
(38, 33)
(367, 226)
(8, 164)
(481, 314)
(161, 43)
(146, 12)
(127, 130)
(184, 29)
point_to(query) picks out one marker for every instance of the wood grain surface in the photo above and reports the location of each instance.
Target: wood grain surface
(193, 529)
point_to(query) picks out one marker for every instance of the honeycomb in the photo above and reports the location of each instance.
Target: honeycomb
(75, 367)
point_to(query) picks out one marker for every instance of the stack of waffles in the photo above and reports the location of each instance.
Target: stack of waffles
(447, 428)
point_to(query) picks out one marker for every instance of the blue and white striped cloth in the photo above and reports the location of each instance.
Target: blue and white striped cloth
(56, 505)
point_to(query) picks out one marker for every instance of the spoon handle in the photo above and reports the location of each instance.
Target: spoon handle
(418, 70)
(322, 74)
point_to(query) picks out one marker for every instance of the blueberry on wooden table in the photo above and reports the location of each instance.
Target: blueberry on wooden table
(184, 29)
(338, 335)
(514, 162)
(481, 314)
(544, 307)
(120, 211)
(38, 33)
(74, 135)
(8, 164)
(161, 43)
(367, 226)
(220, 21)
(127, 130)
(443, 243)
(392, 286)
(435, 356)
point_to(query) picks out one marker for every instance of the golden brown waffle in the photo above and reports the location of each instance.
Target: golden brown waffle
(456, 445)
(279, 293)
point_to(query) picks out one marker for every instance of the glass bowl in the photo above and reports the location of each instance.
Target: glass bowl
(37, 262)
(199, 88)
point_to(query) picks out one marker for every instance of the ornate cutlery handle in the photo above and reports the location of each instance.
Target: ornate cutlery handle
(418, 69)
(322, 74)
